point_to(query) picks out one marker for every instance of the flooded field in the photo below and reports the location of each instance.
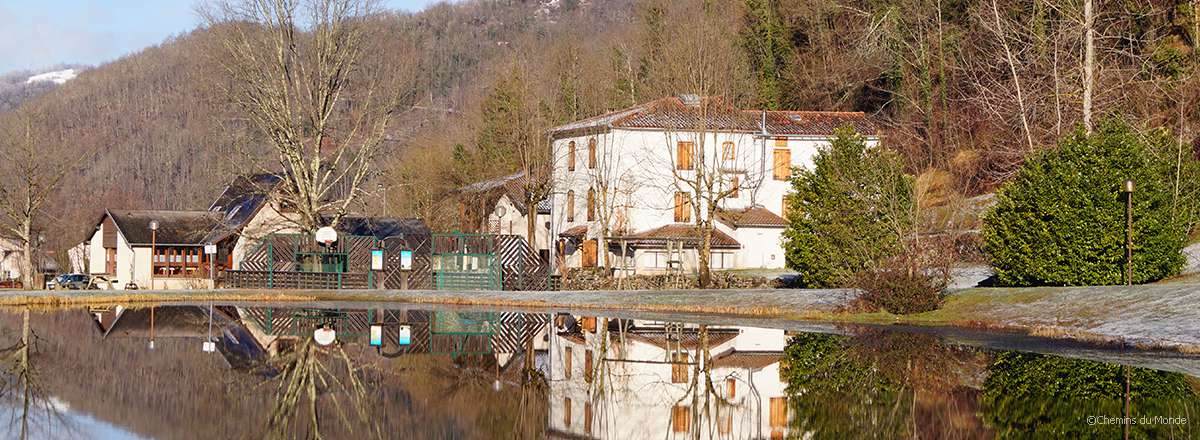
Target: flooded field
(358, 370)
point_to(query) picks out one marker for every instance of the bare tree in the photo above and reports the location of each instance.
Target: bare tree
(1089, 62)
(301, 74)
(31, 171)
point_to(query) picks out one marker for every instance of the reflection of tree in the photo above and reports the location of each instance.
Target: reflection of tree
(1036, 395)
(881, 385)
(305, 379)
(22, 382)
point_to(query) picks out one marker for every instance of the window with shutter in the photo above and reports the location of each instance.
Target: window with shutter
(591, 204)
(567, 412)
(735, 186)
(587, 417)
(587, 366)
(730, 388)
(786, 206)
(728, 155)
(681, 418)
(684, 155)
(679, 368)
(592, 153)
(567, 363)
(778, 412)
(571, 156)
(570, 206)
(683, 207)
(783, 164)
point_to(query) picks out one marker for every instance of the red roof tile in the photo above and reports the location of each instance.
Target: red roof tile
(578, 231)
(687, 233)
(752, 217)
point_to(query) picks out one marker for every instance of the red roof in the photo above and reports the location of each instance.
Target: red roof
(687, 233)
(754, 360)
(716, 115)
(752, 217)
(578, 231)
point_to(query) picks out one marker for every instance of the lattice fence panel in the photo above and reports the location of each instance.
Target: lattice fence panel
(522, 267)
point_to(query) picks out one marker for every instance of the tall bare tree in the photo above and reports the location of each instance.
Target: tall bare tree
(32, 169)
(301, 74)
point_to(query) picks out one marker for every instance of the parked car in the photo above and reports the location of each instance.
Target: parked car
(70, 281)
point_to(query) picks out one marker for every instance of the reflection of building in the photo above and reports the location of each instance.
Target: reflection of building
(238, 347)
(639, 381)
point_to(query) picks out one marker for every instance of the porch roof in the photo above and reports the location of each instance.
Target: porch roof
(685, 233)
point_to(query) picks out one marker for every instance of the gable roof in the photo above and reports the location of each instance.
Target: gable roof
(687, 233)
(512, 186)
(751, 217)
(174, 227)
(676, 113)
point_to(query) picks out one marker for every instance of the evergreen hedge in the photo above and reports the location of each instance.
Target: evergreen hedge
(1061, 220)
(847, 212)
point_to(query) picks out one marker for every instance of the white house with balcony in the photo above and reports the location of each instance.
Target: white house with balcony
(626, 182)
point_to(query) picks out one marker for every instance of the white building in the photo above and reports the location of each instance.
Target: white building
(639, 382)
(628, 172)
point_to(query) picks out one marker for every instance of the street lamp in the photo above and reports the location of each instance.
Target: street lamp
(1128, 190)
(153, 251)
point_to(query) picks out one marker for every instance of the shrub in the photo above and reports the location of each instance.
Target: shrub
(1061, 220)
(847, 212)
(907, 283)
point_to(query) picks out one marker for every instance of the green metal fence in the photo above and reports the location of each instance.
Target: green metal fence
(466, 262)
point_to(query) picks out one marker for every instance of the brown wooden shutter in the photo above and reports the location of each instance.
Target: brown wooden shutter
(786, 206)
(571, 156)
(679, 368)
(592, 153)
(684, 155)
(570, 206)
(737, 184)
(724, 419)
(681, 418)
(783, 164)
(587, 365)
(778, 412)
(730, 388)
(588, 324)
(567, 363)
(567, 412)
(587, 417)
(591, 204)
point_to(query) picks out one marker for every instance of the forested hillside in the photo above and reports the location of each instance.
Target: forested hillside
(965, 89)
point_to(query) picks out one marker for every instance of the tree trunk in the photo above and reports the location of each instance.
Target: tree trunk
(705, 254)
(1089, 63)
(27, 268)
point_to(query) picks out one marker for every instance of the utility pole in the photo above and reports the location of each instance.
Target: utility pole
(1128, 190)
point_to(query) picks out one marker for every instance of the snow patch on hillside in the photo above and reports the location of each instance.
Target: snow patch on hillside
(57, 76)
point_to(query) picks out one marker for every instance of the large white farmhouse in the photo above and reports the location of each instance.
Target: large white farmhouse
(626, 182)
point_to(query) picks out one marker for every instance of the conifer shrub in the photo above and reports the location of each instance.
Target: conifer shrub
(1061, 220)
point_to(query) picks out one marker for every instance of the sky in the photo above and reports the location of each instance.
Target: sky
(36, 34)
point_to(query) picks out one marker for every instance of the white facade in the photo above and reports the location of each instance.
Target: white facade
(10, 259)
(635, 391)
(634, 171)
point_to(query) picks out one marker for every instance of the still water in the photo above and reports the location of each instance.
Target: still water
(119, 372)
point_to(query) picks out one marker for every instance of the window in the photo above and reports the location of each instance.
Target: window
(570, 206)
(721, 260)
(778, 412)
(567, 363)
(684, 154)
(681, 418)
(567, 412)
(591, 204)
(730, 388)
(172, 261)
(683, 207)
(587, 417)
(571, 156)
(110, 261)
(735, 185)
(592, 153)
(783, 164)
(587, 366)
(679, 368)
(724, 419)
(728, 155)
(786, 206)
(658, 260)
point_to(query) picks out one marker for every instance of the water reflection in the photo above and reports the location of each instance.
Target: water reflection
(475, 374)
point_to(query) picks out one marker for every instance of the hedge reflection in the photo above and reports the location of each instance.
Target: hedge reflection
(1031, 395)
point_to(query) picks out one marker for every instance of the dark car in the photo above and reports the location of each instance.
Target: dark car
(70, 281)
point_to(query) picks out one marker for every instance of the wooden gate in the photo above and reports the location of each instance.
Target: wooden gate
(521, 266)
